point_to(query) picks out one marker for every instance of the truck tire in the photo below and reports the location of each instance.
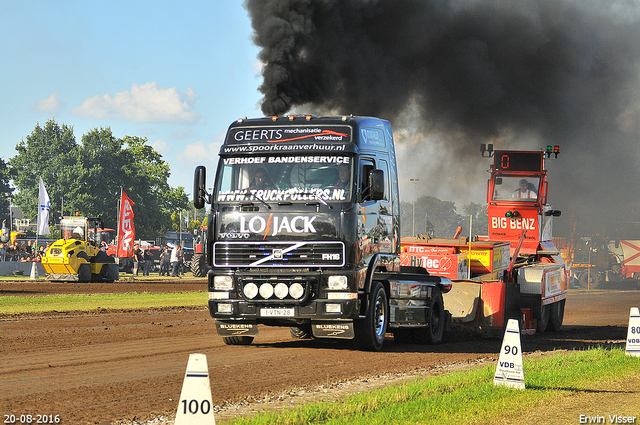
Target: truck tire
(402, 336)
(301, 332)
(557, 316)
(598, 281)
(199, 265)
(237, 340)
(592, 280)
(370, 331)
(434, 332)
(436, 318)
(545, 315)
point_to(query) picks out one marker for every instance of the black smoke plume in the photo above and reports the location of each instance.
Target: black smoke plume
(471, 71)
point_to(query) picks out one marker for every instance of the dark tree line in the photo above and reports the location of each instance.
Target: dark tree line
(442, 218)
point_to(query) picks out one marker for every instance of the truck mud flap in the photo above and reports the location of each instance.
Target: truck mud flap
(462, 301)
(236, 328)
(341, 330)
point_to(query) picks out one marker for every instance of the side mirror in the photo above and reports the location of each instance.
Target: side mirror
(199, 181)
(376, 185)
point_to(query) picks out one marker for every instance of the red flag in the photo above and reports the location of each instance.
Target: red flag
(126, 231)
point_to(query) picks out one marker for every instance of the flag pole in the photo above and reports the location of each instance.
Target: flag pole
(118, 221)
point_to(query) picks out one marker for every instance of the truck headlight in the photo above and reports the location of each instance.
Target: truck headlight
(222, 283)
(225, 308)
(296, 291)
(337, 282)
(266, 290)
(250, 290)
(333, 308)
(281, 290)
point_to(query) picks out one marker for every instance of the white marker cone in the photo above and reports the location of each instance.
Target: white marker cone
(509, 371)
(633, 333)
(196, 406)
(34, 271)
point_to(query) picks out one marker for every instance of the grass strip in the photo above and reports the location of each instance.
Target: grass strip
(129, 300)
(466, 397)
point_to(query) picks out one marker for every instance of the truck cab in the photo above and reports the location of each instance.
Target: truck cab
(517, 200)
(304, 231)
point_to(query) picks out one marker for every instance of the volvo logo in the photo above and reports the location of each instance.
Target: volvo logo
(277, 254)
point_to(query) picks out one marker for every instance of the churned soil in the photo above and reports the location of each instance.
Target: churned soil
(107, 366)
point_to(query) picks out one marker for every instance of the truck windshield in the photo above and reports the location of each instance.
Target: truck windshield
(284, 178)
(516, 189)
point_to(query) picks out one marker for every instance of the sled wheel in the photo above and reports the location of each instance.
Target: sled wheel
(557, 316)
(543, 321)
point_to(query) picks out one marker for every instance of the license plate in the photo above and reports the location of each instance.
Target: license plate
(277, 312)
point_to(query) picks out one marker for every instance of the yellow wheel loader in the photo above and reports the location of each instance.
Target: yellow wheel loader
(77, 257)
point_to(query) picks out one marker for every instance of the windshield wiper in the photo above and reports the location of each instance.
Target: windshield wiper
(323, 202)
(253, 195)
(318, 199)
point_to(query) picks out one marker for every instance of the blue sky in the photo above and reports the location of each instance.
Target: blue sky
(177, 73)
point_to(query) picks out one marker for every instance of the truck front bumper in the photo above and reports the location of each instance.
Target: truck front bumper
(273, 313)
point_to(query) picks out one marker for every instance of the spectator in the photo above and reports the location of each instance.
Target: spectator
(147, 262)
(12, 253)
(137, 258)
(176, 258)
(165, 261)
(41, 253)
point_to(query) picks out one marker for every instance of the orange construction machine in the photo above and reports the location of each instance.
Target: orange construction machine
(514, 272)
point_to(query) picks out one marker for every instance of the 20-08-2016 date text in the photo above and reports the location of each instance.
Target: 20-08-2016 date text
(32, 419)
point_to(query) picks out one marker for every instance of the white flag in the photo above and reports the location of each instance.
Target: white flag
(44, 205)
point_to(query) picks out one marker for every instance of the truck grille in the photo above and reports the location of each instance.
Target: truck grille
(278, 254)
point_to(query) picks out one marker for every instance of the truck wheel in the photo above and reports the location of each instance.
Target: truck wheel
(370, 331)
(436, 318)
(597, 281)
(557, 316)
(301, 332)
(434, 332)
(543, 321)
(237, 340)
(591, 280)
(199, 265)
(584, 280)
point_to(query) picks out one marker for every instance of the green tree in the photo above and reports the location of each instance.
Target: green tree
(93, 181)
(146, 175)
(48, 152)
(6, 192)
(87, 177)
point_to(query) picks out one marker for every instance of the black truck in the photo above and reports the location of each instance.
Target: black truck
(304, 232)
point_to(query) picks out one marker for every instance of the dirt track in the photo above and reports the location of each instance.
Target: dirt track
(108, 366)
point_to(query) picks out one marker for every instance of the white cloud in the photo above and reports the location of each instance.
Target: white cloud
(50, 104)
(160, 146)
(200, 153)
(182, 134)
(149, 103)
